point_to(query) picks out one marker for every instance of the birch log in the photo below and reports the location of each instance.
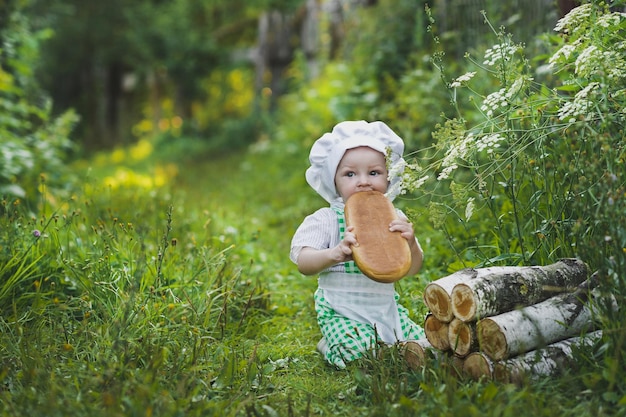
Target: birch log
(417, 352)
(437, 294)
(541, 362)
(557, 318)
(496, 290)
(548, 361)
(437, 332)
(462, 337)
(477, 365)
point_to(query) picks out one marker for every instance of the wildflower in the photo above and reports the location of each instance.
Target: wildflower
(36, 233)
(494, 101)
(445, 173)
(581, 104)
(469, 208)
(562, 54)
(502, 52)
(588, 60)
(572, 21)
(489, 142)
(463, 79)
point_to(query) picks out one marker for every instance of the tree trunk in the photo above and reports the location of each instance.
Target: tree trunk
(462, 337)
(543, 362)
(518, 331)
(437, 294)
(499, 289)
(437, 332)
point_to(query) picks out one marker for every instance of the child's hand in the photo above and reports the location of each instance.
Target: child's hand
(404, 227)
(343, 250)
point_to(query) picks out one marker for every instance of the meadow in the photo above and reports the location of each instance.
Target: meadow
(142, 282)
(180, 300)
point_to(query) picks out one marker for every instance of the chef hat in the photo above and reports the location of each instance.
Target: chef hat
(328, 150)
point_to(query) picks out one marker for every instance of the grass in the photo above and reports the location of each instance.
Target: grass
(182, 301)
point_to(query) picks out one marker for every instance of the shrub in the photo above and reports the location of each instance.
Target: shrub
(33, 143)
(542, 175)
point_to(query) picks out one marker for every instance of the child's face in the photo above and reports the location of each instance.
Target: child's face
(361, 169)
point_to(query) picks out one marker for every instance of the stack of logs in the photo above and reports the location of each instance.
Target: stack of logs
(509, 323)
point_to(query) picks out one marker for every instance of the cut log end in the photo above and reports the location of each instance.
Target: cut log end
(491, 339)
(437, 332)
(507, 374)
(463, 302)
(438, 302)
(477, 366)
(462, 337)
(414, 354)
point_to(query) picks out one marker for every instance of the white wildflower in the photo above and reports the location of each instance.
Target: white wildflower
(580, 105)
(469, 209)
(421, 181)
(572, 21)
(396, 169)
(489, 142)
(445, 173)
(463, 79)
(588, 60)
(516, 87)
(411, 182)
(610, 19)
(502, 52)
(564, 53)
(494, 101)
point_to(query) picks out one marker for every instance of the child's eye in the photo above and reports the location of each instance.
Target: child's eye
(350, 174)
(374, 173)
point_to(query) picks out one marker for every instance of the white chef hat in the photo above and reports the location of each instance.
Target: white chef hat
(327, 151)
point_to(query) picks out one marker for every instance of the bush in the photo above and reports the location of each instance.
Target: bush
(542, 176)
(33, 143)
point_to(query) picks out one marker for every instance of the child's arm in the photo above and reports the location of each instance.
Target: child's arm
(313, 261)
(405, 228)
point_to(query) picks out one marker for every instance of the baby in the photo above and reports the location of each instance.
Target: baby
(354, 312)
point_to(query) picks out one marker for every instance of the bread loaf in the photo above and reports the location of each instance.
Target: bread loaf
(382, 255)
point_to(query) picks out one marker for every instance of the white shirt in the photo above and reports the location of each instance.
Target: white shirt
(354, 296)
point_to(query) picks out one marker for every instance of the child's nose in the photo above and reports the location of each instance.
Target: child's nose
(364, 179)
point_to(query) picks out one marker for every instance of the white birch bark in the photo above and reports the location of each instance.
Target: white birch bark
(496, 290)
(518, 331)
(548, 361)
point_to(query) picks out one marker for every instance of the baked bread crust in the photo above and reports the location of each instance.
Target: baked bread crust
(381, 255)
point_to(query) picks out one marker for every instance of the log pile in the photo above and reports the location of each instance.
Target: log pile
(507, 323)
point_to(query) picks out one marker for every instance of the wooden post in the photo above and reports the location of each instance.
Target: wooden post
(557, 318)
(499, 289)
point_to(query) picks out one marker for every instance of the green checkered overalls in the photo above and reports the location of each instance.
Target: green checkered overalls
(344, 338)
